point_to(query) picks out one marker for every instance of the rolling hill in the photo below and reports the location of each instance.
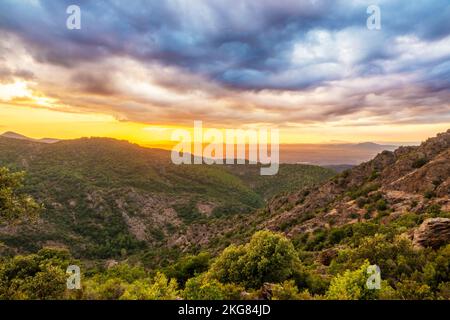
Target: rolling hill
(130, 217)
(106, 198)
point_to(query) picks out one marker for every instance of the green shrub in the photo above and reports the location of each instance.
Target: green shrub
(429, 194)
(203, 287)
(351, 285)
(14, 204)
(188, 267)
(434, 210)
(418, 163)
(412, 290)
(381, 205)
(289, 291)
(37, 276)
(161, 288)
(375, 174)
(268, 257)
(361, 201)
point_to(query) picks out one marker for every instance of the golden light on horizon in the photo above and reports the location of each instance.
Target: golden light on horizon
(33, 114)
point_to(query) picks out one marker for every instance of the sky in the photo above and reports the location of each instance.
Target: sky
(137, 70)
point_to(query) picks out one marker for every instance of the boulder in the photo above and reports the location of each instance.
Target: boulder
(434, 233)
(326, 256)
(266, 291)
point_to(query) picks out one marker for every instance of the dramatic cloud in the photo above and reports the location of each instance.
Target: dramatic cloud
(246, 62)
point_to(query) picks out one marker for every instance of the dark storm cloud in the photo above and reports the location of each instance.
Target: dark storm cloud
(93, 83)
(238, 43)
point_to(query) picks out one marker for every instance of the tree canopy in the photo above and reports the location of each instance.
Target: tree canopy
(15, 205)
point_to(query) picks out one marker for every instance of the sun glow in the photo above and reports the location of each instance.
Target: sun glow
(17, 89)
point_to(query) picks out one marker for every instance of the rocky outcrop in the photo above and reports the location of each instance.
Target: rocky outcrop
(266, 291)
(410, 179)
(326, 256)
(434, 233)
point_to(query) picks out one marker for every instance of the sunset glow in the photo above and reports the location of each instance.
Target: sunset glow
(323, 84)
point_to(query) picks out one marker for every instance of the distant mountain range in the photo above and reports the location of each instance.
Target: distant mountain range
(332, 154)
(13, 135)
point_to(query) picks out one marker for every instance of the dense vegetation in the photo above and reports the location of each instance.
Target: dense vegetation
(86, 225)
(107, 199)
(15, 205)
(268, 266)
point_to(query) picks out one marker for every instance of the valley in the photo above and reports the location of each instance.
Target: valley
(110, 199)
(143, 228)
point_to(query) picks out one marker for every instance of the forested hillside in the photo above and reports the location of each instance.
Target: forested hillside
(105, 198)
(138, 239)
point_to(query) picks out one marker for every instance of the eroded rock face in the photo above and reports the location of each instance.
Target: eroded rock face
(434, 233)
(410, 179)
